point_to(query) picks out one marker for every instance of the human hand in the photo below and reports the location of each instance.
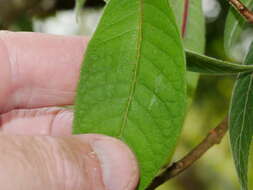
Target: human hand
(37, 72)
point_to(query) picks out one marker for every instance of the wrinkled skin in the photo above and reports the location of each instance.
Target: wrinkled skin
(37, 73)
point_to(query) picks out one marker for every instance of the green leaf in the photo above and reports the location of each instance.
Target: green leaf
(235, 24)
(241, 122)
(194, 37)
(207, 65)
(133, 84)
(191, 22)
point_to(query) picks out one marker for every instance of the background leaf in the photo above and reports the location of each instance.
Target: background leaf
(241, 122)
(190, 13)
(207, 65)
(133, 82)
(78, 7)
(235, 24)
(194, 27)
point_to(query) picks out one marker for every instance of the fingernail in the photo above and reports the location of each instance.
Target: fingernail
(118, 164)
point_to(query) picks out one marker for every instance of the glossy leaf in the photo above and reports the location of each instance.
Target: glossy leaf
(241, 122)
(133, 84)
(207, 65)
(235, 24)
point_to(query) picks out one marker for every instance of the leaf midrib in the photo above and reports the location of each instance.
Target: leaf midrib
(135, 71)
(185, 17)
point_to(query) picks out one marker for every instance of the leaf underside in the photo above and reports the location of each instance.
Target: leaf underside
(241, 122)
(211, 66)
(132, 84)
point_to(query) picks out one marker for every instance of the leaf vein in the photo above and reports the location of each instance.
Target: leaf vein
(135, 72)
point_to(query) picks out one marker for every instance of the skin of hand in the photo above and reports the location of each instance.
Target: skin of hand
(37, 73)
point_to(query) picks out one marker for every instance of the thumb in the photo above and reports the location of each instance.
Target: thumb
(85, 162)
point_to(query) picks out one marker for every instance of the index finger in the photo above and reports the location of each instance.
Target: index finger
(38, 70)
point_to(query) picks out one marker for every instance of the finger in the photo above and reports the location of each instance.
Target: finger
(89, 162)
(44, 121)
(38, 69)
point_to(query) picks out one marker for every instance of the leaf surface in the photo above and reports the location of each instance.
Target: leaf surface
(132, 84)
(241, 122)
(191, 22)
(234, 26)
(207, 65)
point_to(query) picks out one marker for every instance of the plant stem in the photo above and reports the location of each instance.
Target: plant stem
(242, 9)
(185, 17)
(214, 137)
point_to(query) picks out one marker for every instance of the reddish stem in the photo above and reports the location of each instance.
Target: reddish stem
(185, 17)
(243, 10)
(214, 137)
